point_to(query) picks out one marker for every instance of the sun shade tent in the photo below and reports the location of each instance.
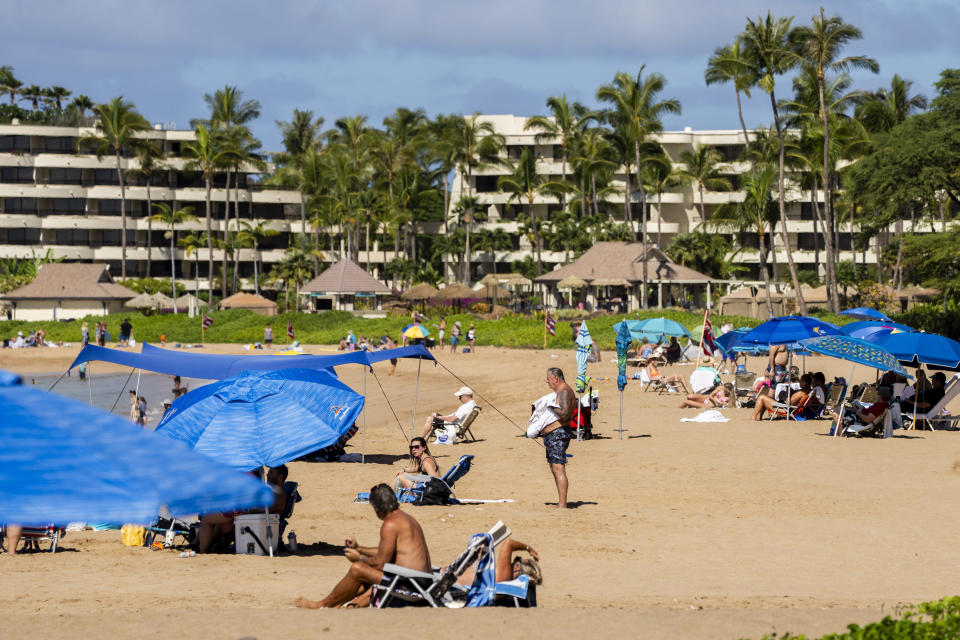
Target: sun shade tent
(457, 291)
(571, 282)
(150, 301)
(62, 461)
(217, 367)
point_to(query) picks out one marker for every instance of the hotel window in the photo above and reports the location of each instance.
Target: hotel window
(487, 184)
(68, 205)
(62, 144)
(111, 237)
(20, 205)
(23, 236)
(73, 237)
(66, 176)
(20, 175)
(108, 207)
(18, 144)
(106, 177)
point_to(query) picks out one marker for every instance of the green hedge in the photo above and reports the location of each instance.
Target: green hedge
(938, 620)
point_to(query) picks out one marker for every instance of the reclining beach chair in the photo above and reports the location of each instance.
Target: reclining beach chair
(938, 412)
(834, 398)
(882, 427)
(401, 586)
(464, 427)
(422, 481)
(743, 386)
(31, 537)
(782, 410)
(703, 381)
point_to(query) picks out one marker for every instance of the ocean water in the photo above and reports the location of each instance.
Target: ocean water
(103, 389)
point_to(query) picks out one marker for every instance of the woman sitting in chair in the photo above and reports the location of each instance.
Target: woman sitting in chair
(423, 464)
(766, 403)
(719, 398)
(656, 376)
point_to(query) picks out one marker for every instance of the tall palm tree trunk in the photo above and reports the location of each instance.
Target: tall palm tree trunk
(898, 270)
(659, 218)
(226, 234)
(743, 125)
(801, 303)
(236, 216)
(256, 274)
(536, 235)
(208, 180)
(763, 270)
(173, 267)
(123, 219)
(827, 197)
(149, 228)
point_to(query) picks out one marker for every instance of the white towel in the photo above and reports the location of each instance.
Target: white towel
(543, 414)
(710, 415)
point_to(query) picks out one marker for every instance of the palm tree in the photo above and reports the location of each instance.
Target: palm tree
(817, 48)
(755, 211)
(661, 175)
(166, 215)
(206, 154)
(637, 105)
(730, 64)
(766, 43)
(466, 207)
(477, 145)
(150, 159)
(32, 94)
(9, 83)
(57, 95)
(491, 241)
(191, 243)
(117, 127)
(884, 109)
(81, 103)
(300, 136)
(254, 234)
(243, 148)
(565, 122)
(525, 183)
(700, 167)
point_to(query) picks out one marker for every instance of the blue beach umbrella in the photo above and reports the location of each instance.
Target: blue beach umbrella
(856, 351)
(916, 348)
(871, 329)
(865, 313)
(264, 417)
(788, 329)
(623, 343)
(662, 327)
(62, 461)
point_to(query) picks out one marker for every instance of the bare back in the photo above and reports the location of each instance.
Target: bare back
(410, 548)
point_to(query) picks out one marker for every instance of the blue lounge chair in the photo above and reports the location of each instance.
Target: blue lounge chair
(448, 480)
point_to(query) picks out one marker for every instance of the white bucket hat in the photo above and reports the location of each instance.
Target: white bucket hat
(464, 391)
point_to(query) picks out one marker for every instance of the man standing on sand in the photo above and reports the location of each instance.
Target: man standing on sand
(556, 434)
(268, 336)
(401, 543)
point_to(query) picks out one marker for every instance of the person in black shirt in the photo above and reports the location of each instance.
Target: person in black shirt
(926, 399)
(126, 330)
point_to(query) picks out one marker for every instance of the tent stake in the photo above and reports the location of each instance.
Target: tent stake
(416, 393)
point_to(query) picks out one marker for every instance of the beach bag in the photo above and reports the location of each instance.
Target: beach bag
(447, 434)
(132, 535)
(435, 491)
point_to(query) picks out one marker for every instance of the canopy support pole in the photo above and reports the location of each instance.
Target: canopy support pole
(843, 404)
(120, 393)
(89, 388)
(266, 515)
(363, 423)
(416, 393)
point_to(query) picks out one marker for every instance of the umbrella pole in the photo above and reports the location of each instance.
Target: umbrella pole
(579, 414)
(843, 405)
(416, 392)
(621, 415)
(266, 515)
(363, 423)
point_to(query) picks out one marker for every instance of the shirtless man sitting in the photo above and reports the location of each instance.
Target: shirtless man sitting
(401, 543)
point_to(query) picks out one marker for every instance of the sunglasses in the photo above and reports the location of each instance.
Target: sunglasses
(415, 446)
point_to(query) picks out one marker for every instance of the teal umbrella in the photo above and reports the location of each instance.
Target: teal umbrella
(658, 327)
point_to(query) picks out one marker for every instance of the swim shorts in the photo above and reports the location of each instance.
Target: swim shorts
(556, 443)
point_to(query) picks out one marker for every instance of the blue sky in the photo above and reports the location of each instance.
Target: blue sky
(372, 56)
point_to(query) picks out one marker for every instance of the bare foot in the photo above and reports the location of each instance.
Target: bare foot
(303, 603)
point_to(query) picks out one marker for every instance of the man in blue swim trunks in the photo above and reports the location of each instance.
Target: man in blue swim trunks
(556, 435)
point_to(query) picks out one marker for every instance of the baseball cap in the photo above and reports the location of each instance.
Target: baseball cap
(464, 391)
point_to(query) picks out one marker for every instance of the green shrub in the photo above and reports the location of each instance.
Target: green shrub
(931, 318)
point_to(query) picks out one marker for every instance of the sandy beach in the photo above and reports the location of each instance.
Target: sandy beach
(680, 530)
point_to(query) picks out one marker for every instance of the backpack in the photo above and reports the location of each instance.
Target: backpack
(435, 491)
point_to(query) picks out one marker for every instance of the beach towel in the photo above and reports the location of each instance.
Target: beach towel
(710, 415)
(543, 414)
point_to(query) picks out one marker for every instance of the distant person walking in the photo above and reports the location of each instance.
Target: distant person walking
(441, 332)
(472, 339)
(268, 336)
(455, 336)
(85, 334)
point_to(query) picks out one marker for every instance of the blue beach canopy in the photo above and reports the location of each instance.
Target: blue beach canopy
(209, 366)
(916, 348)
(264, 417)
(730, 341)
(856, 351)
(787, 330)
(62, 461)
(865, 313)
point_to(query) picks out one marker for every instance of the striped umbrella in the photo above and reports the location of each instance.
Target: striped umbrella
(414, 331)
(584, 342)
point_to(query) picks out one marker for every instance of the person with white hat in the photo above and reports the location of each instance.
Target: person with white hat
(437, 421)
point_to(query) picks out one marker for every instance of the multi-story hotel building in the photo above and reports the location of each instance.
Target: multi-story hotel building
(53, 197)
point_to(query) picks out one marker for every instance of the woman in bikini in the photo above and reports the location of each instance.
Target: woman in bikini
(718, 399)
(656, 376)
(423, 464)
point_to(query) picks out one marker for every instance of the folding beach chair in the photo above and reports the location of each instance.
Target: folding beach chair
(704, 380)
(401, 586)
(938, 412)
(790, 412)
(881, 427)
(423, 483)
(834, 398)
(521, 592)
(464, 427)
(31, 537)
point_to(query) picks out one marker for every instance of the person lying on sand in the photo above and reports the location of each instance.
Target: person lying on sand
(718, 399)
(401, 543)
